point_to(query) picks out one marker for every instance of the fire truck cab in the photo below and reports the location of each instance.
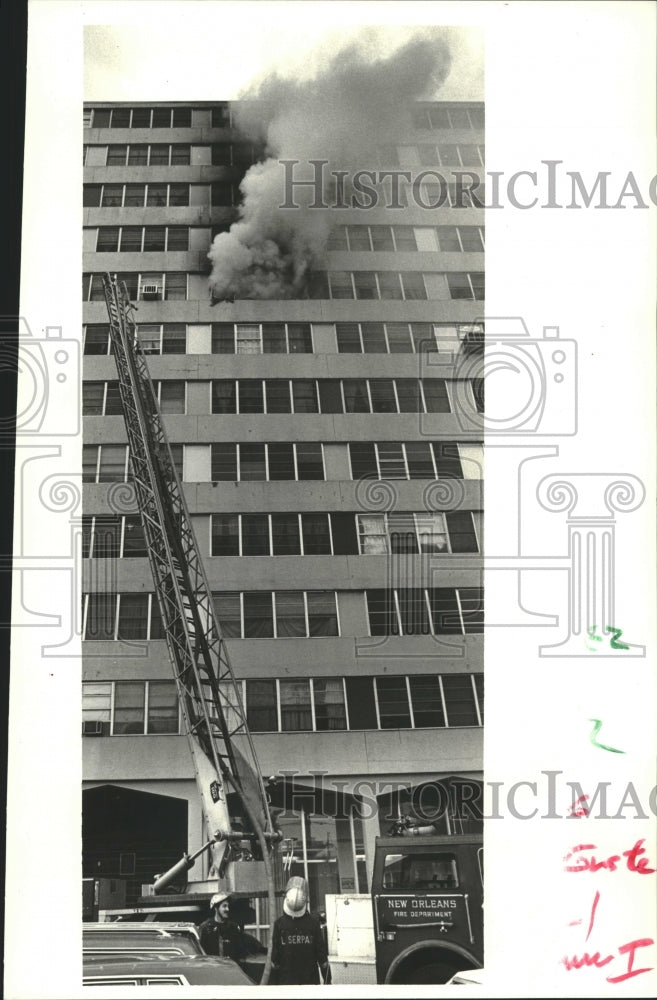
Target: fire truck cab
(427, 899)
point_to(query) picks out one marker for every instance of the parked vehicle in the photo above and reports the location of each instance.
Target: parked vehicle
(427, 898)
(166, 940)
(149, 970)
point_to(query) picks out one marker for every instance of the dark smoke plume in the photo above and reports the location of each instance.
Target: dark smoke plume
(342, 115)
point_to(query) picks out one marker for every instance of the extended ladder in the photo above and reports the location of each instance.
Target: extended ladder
(221, 744)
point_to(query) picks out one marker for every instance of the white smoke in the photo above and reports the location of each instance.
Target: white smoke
(354, 105)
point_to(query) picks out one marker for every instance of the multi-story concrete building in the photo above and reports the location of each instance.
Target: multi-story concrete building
(331, 456)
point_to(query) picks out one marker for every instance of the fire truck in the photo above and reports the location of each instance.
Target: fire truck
(423, 919)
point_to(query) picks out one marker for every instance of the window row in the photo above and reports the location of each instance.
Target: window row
(303, 461)
(110, 463)
(282, 614)
(448, 154)
(155, 338)
(404, 285)
(342, 533)
(131, 239)
(402, 238)
(112, 536)
(386, 285)
(102, 399)
(305, 704)
(125, 708)
(437, 118)
(262, 338)
(160, 154)
(135, 239)
(171, 285)
(321, 704)
(416, 460)
(236, 154)
(227, 338)
(240, 155)
(330, 395)
(263, 614)
(135, 195)
(267, 462)
(296, 338)
(137, 117)
(405, 338)
(426, 611)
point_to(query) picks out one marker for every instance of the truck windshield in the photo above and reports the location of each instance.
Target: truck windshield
(420, 871)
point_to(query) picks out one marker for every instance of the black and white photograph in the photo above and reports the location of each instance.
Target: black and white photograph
(328, 459)
(296, 528)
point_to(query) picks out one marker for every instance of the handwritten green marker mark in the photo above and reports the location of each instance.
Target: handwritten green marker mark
(596, 729)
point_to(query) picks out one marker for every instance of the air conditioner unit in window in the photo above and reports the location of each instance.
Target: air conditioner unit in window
(94, 728)
(151, 291)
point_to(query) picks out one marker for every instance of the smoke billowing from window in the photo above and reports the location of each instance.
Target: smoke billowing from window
(352, 107)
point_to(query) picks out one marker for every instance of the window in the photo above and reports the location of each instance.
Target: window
(296, 709)
(392, 699)
(285, 533)
(171, 396)
(158, 338)
(112, 464)
(100, 616)
(427, 702)
(361, 703)
(258, 615)
(112, 536)
(225, 535)
(221, 117)
(261, 709)
(460, 700)
(330, 711)
(91, 195)
(291, 614)
(129, 703)
(322, 613)
(97, 338)
(97, 705)
(418, 611)
(255, 535)
(465, 286)
(101, 399)
(478, 393)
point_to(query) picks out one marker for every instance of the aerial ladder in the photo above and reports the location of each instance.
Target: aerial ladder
(234, 799)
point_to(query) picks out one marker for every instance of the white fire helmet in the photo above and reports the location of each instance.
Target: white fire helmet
(218, 897)
(296, 897)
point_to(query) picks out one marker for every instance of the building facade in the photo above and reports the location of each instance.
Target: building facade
(330, 448)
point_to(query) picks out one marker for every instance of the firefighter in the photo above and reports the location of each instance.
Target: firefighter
(299, 948)
(220, 935)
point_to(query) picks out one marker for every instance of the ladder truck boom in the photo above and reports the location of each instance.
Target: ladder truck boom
(224, 756)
